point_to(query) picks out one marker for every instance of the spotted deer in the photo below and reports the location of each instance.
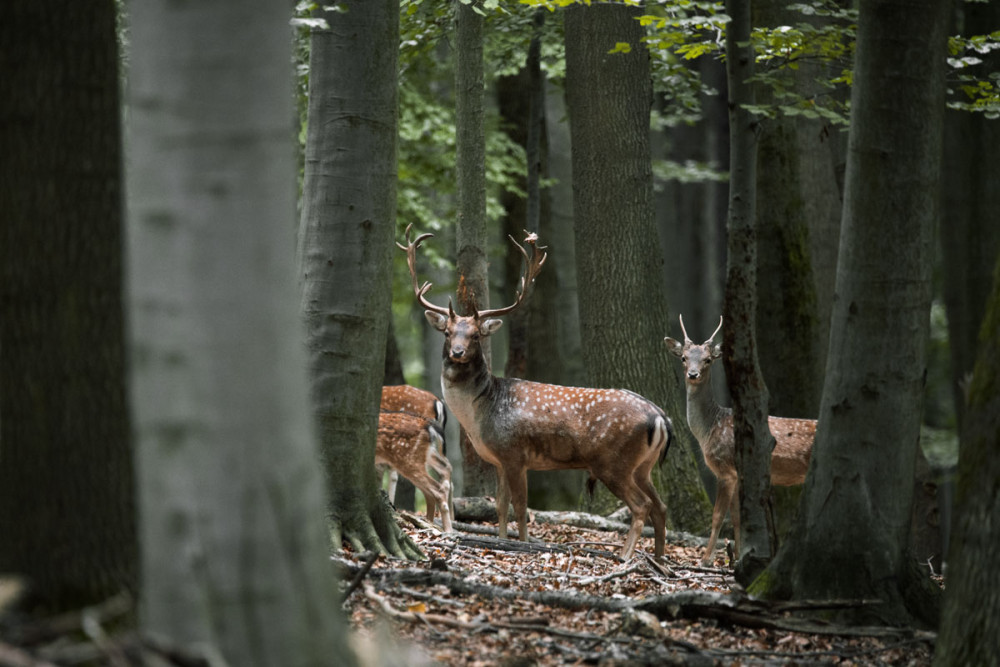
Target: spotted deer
(410, 444)
(517, 425)
(712, 426)
(404, 398)
(420, 402)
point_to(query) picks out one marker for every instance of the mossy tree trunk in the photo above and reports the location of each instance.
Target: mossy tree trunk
(970, 619)
(851, 537)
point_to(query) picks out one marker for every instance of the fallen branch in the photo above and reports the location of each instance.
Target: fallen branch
(370, 559)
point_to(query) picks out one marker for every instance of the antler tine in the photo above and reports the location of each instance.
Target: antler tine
(714, 332)
(411, 261)
(533, 266)
(686, 339)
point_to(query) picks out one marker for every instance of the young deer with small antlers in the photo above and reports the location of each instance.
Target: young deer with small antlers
(517, 425)
(712, 426)
(410, 444)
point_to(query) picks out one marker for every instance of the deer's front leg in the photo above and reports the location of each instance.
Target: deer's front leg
(734, 511)
(723, 500)
(517, 483)
(503, 500)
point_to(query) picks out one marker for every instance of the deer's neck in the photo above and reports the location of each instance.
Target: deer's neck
(465, 385)
(703, 413)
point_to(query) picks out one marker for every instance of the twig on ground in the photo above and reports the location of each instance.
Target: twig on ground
(370, 559)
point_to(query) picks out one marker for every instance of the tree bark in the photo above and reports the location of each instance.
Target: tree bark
(623, 312)
(970, 619)
(970, 234)
(67, 510)
(753, 440)
(235, 555)
(479, 477)
(850, 539)
(346, 240)
(560, 239)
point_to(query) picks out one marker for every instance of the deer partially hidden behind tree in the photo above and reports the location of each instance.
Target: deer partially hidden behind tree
(408, 447)
(410, 444)
(712, 426)
(518, 425)
(416, 401)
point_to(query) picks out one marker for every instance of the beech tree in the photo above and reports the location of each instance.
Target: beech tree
(753, 441)
(850, 539)
(471, 263)
(623, 313)
(970, 619)
(345, 248)
(234, 552)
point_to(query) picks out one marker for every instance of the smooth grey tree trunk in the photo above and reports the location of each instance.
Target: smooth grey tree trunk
(346, 241)
(235, 558)
(850, 539)
(623, 311)
(753, 440)
(479, 477)
(67, 509)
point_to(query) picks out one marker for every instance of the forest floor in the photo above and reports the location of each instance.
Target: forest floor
(569, 599)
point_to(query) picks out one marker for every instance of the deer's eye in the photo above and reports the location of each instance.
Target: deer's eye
(684, 358)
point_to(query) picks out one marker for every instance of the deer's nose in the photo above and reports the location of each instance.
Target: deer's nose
(458, 351)
(694, 375)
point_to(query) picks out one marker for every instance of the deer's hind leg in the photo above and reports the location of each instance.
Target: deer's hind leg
(638, 503)
(657, 509)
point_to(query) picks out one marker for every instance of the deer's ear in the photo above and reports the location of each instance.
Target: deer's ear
(675, 347)
(489, 326)
(717, 350)
(437, 320)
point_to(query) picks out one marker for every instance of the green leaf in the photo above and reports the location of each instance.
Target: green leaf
(621, 47)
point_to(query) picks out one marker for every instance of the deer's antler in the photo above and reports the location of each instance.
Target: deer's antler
(411, 260)
(683, 330)
(533, 266)
(688, 340)
(717, 329)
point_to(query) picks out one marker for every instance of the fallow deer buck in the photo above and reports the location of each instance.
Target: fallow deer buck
(517, 425)
(712, 426)
(410, 444)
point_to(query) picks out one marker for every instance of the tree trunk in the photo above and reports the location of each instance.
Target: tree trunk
(535, 341)
(797, 199)
(623, 312)
(346, 240)
(67, 511)
(562, 246)
(970, 622)
(851, 536)
(970, 234)
(235, 556)
(753, 440)
(479, 477)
